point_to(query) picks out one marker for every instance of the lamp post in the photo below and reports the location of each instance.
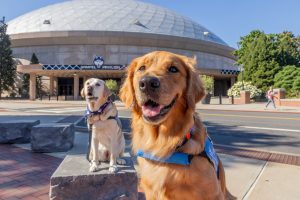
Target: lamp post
(241, 68)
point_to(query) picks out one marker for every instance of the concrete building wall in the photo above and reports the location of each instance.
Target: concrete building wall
(112, 54)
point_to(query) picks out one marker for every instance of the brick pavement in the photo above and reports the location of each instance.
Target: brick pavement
(25, 175)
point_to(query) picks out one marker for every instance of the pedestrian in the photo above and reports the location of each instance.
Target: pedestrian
(270, 96)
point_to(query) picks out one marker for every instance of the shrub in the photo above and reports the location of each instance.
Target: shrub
(112, 85)
(208, 83)
(238, 87)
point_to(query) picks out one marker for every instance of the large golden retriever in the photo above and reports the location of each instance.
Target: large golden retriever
(162, 89)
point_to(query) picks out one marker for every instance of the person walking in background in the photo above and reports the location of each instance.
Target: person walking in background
(270, 96)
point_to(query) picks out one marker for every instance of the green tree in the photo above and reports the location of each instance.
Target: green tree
(289, 79)
(39, 82)
(288, 49)
(7, 65)
(264, 55)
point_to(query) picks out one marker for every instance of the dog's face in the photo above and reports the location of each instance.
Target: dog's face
(94, 90)
(160, 81)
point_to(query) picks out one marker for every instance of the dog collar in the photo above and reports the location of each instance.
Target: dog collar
(184, 158)
(187, 137)
(89, 113)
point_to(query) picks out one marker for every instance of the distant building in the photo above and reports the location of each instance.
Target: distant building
(78, 39)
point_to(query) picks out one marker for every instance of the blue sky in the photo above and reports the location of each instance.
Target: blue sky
(229, 19)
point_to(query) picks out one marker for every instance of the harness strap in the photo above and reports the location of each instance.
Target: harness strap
(187, 137)
(89, 113)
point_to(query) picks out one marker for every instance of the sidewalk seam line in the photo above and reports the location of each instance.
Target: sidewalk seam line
(249, 191)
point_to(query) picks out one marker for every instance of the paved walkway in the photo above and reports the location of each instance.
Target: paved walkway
(248, 107)
(250, 175)
(260, 106)
(25, 175)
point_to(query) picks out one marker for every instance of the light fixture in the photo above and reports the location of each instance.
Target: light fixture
(47, 21)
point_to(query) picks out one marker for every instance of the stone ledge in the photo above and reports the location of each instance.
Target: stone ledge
(52, 137)
(16, 131)
(72, 180)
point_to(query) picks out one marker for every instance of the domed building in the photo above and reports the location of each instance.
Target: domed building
(75, 40)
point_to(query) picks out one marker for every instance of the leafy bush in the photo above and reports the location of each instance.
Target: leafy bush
(289, 79)
(112, 85)
(208, 82)
(238, 87)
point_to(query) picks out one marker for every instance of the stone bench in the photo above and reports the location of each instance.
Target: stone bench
(52, 137)
(16, 131)
(72, 180)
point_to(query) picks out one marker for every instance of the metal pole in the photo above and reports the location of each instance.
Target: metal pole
(243, 80)
(220, 98)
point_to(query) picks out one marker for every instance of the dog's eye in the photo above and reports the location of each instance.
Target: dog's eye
(142, 68)
(173, 69)
(97, 84)
(87, 83)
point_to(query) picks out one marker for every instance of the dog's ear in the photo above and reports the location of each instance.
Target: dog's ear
(195, 90)
(82, 93)
(127, 92)
(106, 92)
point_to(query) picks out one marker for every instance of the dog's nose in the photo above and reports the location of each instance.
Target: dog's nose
(89, 90)
(149, 82)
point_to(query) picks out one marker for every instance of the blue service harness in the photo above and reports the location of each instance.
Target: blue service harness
(184, 158)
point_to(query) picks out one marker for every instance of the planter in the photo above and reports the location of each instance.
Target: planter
(206, 99)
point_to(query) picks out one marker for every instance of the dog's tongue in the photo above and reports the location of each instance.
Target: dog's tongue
(150, 111)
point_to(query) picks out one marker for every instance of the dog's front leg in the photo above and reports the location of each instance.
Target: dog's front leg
(113, 161)
(95, 154)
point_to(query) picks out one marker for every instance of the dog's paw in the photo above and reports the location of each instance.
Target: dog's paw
(113, 169)
(121, 161)
(94, 167)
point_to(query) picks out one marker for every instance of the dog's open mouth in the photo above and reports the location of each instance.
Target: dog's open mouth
(152, 111)
(91, 98)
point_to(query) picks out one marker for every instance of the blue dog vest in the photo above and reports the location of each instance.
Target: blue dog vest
(184, 158)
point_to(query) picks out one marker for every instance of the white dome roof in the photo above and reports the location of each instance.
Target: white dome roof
(110, 15)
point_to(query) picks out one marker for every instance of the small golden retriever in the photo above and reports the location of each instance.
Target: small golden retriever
(107, 140)
(162, 89)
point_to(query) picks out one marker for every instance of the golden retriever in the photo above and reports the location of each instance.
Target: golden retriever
(162, 89)
(107, 140)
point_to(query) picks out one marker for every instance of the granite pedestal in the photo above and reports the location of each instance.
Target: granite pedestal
(52, 137)
(72, 180)
(16, 131)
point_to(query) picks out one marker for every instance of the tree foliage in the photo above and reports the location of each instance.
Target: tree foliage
(112, 85)
(289, 79)
(208, 83)
(264, 55)
(7, 65)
